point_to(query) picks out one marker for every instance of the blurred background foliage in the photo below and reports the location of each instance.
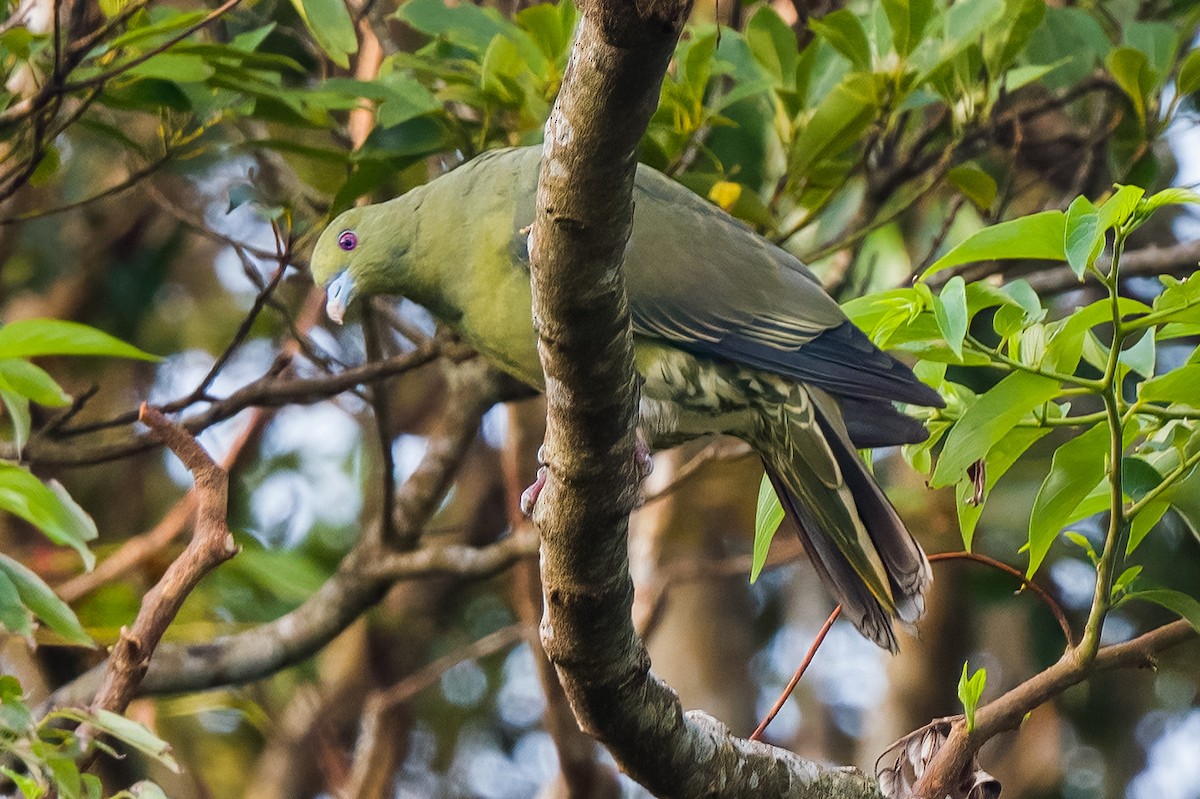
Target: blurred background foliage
(164, 161)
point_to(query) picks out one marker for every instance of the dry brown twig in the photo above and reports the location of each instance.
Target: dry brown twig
(211, 545)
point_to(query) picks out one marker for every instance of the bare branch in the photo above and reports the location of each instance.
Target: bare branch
(211, 545)
(353, 588)
(1006, 712)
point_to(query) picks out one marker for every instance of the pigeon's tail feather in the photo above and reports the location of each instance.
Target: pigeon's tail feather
(859, 546)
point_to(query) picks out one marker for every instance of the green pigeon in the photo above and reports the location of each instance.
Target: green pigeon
(732, 335)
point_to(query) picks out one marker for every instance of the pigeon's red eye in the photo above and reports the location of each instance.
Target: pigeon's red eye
(347, 240)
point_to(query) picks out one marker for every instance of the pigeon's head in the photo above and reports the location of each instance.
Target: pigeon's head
(361, 253)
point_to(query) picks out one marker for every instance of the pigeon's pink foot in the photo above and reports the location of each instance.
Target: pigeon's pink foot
(529, 496)
(642, 460)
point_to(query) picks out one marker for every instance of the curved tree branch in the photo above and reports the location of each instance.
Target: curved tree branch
(584, 214)
(361, 580)
(1007, 712)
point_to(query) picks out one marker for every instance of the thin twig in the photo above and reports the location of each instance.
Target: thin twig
(1038, 591)
(791, 686)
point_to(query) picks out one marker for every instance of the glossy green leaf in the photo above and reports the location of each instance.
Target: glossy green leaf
(908, 19)
(330, 24)
(177, 67)
(1188, 80)
(33, 338)
(1158, 40)
(970, 689)
(45, 604)
(1083, 239)
(145, 789)
(13, 615)
(1188, 607)
(1036, 236)
(32, 382)
(988, 420)
(135, 735)
(1171, 196)
(29, 787)
(950, 310)
(1138, 477)
(48, 508)
(1180, 385)
(1144, 522)
(768, 515)
(1065, 339)
(1131, 71)
(1007, 39)
(1077, 467)
(463, 24)
(17, 408)
(843, 30)
(1000, 459)
(773, 44)
(835, 124)
(976, 185)
(1120, 206)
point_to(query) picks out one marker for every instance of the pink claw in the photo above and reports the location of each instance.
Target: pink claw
(529, 496)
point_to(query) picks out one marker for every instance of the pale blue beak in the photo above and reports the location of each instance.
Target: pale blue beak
(337, 295)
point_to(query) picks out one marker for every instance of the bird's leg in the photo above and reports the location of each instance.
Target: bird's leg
(529, 496)
(642, 461)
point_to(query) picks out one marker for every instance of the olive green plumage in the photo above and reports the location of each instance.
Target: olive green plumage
(732, 335)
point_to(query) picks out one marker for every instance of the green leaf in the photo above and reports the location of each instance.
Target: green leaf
(1008, 38)
(970, 689)
(1077, 467)
(768, 515)
(908, 19)
(1180, 385)
(550, 27)
(1036, 236)
(137, 736)
(950, 310)
(32, 382)
(1084, 544)
(45, 604)
(1131, 71)
(18, 413)
(773, 45)
(145, 789)
(1172, 196)
(330, 24)
(1158, 40)
(464, 24)
(48, 508)
(1083, 239)
(843, 30)
(1189, 74)
(1120, 207)
(176, 67)
(988, 420)
(1000, 459)
(1138, 477)
(13, 614)
(835, 124)
(1186, 606)
(1144, 522)
(33, 338)
(66, 777)
(976, 185)
(29, 787)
